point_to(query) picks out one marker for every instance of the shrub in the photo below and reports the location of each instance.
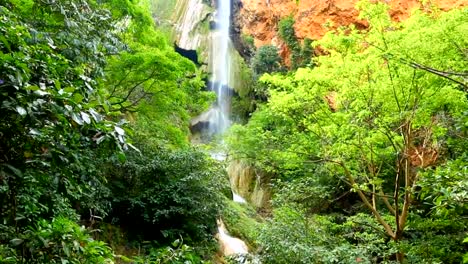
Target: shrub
(240, 221)
(162, 195)
(178, 252)
(300, 55)
(287, 33)
(58, 241)
(266, 59)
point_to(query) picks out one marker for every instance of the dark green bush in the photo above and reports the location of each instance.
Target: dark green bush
(52, 126)
(287, 33)
(162, 195)
(266, 60)
(300, 54)
(176, 253)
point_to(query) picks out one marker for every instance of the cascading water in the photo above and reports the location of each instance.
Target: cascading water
(219, 116)
(221, 68)
(221, 65)
(190, 15)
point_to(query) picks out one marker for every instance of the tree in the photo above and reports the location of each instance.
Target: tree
(150, 82)
(78, 81)
(164, 195)
(51, 115)
(266, 59)
(377, 111)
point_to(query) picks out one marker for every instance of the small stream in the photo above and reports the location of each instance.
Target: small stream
(230, 245)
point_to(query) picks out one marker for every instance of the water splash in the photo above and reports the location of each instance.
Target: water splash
(237, 198)
(230, 245)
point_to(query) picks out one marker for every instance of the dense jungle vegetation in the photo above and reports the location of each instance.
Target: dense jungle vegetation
(366, 146)
(363, 140)
(95, 160)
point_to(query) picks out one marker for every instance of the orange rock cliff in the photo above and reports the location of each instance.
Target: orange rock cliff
(259, 18)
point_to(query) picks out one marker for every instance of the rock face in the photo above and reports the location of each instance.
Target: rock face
(191, 31)
(259, 18)
(249, 183)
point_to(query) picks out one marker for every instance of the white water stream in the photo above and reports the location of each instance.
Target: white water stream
(230, 245)
(221, 68)
(217, 117)
(220, 122)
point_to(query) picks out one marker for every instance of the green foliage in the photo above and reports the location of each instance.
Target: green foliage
(241, 222)
(70, 71)
(287, 33)
(312, 193)
(58, 241)
(162, 87)
(307, 52)
(446, 188)
(300, 55)
(159, 88)
(242, 101)
(434, 240)
(292, 237)
(51, 123)
(161, 195)
(177, 253)
(249, 40)
(266, 60)
(465, 257)
(391, 96)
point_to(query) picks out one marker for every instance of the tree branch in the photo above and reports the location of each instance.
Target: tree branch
(377, 215)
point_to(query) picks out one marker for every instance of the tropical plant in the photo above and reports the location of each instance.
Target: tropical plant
(162, 195)
(58, 241)
(301, 55)
(52, 122)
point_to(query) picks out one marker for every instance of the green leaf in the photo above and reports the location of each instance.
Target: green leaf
(69, 89)
(16, 241)
(77, 118)
(119, 130)
(21, 111)
(5, 42)
(121, 156)
(16, 171)
(85, 118)
(77, 98)
(97, 117)
(32, 87)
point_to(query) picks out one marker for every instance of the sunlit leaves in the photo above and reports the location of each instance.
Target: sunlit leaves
(351, 109)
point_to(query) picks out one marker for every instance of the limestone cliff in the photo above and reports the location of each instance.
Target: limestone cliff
(250, 183)
(259, 18)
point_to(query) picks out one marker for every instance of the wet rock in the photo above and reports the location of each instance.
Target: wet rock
(250, 183)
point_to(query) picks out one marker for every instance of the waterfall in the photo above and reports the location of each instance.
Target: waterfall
(230, 245)
(221, 67)
(219, 115)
